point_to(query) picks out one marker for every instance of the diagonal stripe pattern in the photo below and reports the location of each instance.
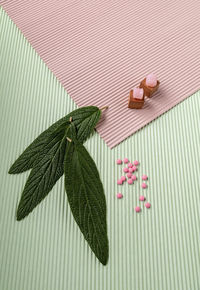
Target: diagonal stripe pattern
(99, 50)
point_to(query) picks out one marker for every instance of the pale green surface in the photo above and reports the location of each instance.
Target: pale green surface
(157, 249)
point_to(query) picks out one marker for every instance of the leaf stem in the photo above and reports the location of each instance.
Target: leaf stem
(104, 108)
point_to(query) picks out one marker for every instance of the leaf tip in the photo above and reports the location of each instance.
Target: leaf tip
(19, 215)
(11, 171)
(105, 255)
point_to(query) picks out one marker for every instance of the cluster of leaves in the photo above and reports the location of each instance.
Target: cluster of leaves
(59, 150)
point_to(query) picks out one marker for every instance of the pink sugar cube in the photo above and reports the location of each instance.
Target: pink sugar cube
(125, 169)
(134, 168)
(151, 80)
(126, 160)
(119, 161)
(144, 177)
(130, 165)
(129, 175)
(138, 93)
(136, 162)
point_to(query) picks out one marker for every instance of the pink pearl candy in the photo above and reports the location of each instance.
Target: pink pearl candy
(136, 162)
(119, 195)
(151, 80)
(134, 177)
(144, 177)
(147, 204)
(123, 178)
(119, 161)
(144, 185)
(130, 181)
(125, 170)
(126, 160)
(141, 198)
(137, 208)
(119, 181)
(130, 165)
(129, 175)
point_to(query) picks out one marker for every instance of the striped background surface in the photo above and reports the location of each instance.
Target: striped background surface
(155, 250)
(100, 49)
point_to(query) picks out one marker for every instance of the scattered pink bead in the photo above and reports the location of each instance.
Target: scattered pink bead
(119, 161)
(130, 169)
(130, 165)
(144, 185)
(129, 175)
(147, 204)
(119, 181)
(134, 168)
(134, 177)
(126, 160)
(151, 80)
(119, 195)
(142, 198)
(125, 170)
(144, 177)
(137, 208)
(123, 178)
(130, 181)
(136, 162)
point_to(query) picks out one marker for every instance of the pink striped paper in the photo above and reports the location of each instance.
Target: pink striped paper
(99, 50)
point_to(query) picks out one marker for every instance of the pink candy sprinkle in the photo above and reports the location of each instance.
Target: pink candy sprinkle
(147, 204)
(119, 161)
(144, 185)
(123, 178)
(126, 160)
(125, 170)
(134, 168)
(119, 195)
(144, 177)
(134, 177)
(137, 208)
(142, 198)
(136, 162)
(130, 181)
(130, 165)
(129, 175)
(119, 181)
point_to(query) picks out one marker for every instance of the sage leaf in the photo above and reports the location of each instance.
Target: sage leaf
(86, 198)
(84, 118)
(44, 174)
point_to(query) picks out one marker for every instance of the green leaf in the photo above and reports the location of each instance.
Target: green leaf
(85, 120)
(44, 174)
(86, 198)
